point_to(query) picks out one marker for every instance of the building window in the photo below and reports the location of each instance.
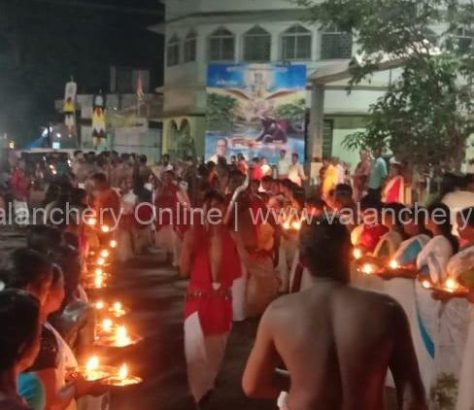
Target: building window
(190, 47)
(172, 51)
(335, 44)
(221, 45)
(464, 42)
(296, 44)
(257, 45)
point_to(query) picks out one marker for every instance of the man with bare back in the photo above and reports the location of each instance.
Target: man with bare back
(336, 341)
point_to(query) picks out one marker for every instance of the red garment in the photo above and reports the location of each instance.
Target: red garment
(107, 206)
(144, 214)
(370, 236)
(214, 308)
(19, 184)
(257, 173)
(243, 167)
(166, 202)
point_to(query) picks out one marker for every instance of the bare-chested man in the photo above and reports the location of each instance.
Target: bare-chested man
(336, 341)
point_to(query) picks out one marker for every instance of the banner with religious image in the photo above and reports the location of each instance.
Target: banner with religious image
(256, 110)
(69, 107)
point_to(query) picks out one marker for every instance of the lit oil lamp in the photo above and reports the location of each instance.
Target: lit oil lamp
(286, 225)
(113, 243)
(107, 325)
(91, 221)
(368, 269)
(117, 309)
(93, 370)
(296, 225)
(105, 228)
(451, 285)
(104, 253)
(100, 261)
(121, 336)
(99, 282)
(357, 253)
(394, 265)
(122, 378)
(426, 284)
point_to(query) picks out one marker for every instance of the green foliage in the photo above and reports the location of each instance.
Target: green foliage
(444, 392)
(427, 114)
(220, 112)
(294, 112)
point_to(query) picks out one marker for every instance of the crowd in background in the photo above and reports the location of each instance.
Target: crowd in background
(236, 268)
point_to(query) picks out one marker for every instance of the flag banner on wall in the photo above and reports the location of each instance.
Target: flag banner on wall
(69, 107)
(256, 110)
(98, 116)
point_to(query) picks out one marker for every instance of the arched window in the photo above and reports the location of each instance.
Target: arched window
(335, 44)
(190, 47)
(296, 44)
(172, 51)
(221, 45)
(257, 45)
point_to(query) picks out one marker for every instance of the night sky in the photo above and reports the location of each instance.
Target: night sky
(43, 42)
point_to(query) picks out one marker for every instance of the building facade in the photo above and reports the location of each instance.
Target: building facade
(200, 32)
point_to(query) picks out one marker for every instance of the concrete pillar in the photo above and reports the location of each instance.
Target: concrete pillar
(316, 123)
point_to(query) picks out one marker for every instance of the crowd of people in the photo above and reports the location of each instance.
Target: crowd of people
(253, 241)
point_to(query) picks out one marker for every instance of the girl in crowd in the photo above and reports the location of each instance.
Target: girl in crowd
(431, 263)
(28, 270)
(394, 189)
(19, 343)
(419, 236)
(454, 356)
(390, 242)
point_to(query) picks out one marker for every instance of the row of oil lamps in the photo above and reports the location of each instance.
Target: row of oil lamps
(393, 269)
(109, 333)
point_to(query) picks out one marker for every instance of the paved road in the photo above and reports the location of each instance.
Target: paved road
(155, 295)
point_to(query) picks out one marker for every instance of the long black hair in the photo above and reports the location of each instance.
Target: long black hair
(19, 321)
(443, 222)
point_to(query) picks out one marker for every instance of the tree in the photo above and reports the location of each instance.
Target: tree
(220, 112)
(426, 115)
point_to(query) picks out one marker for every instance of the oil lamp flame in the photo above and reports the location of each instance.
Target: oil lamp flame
(426, 284)
(357, 253)
(100, 305)
(107, 325)
(121, 336)
(368, 269)
(92, 221)
(123, 372)
(394, 264)
(105, 228)
(296, 225)
(104, 253)
(100, 261)
(92, 364)
(451, 285)
(113, 243)
(99, 281)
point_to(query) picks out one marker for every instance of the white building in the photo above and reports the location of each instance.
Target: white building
(199, 32)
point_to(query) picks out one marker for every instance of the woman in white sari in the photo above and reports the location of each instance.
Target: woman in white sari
(401, 289)
(461, 266)
(431, 262)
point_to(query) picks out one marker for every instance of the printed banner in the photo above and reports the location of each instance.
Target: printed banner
(255, 109)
